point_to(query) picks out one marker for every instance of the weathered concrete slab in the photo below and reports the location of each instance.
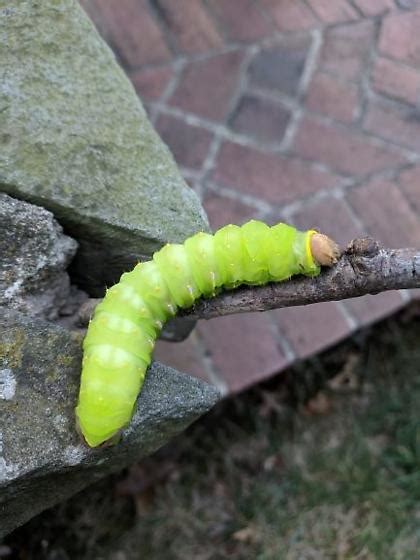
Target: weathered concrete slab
(75, 139)
(42, 460)
(34, 255)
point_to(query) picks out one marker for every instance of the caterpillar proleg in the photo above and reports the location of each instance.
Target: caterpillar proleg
(121, 335)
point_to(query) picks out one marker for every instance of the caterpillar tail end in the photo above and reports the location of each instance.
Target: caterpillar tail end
(325, 251)
(92, 441)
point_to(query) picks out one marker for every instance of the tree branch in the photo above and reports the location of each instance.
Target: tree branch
(364, 268)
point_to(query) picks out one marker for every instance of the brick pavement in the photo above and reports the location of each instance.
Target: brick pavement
(305, 111)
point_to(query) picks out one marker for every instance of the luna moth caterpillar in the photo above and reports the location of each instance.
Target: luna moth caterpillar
(121, 335)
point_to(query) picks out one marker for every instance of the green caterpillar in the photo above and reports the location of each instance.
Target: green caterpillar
(121, 335)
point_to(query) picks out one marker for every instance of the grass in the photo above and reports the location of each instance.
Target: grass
(323, 463)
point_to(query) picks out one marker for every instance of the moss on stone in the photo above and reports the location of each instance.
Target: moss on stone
(76, 140)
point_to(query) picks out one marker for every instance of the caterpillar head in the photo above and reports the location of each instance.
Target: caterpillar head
(324, 250)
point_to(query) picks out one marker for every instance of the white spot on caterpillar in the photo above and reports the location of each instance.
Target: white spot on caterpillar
(7, 384)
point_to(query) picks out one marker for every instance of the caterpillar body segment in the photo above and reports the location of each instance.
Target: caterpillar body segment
(121, 335)
(204, 264)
